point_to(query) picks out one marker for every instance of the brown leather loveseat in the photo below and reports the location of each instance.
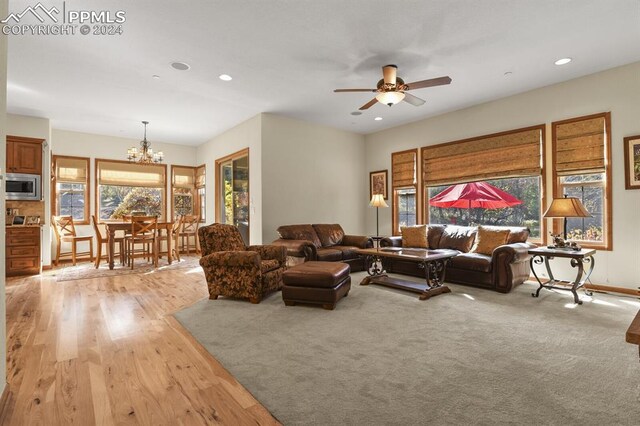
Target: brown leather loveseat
(323, 242)
(507, 267)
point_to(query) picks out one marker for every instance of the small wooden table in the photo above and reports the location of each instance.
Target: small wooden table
(112, 227)
(633, 333)
(433, 262)
(578, 259)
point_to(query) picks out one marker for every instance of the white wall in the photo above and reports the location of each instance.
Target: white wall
(36, 127)
(616, 90)
(311, 174)
(244, 135)
(94, 146)
(3, 158)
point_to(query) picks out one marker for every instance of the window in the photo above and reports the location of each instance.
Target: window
(232, 191)
(510, 161)
(201, 193)
(125, 187)
(183, 190)
(582, 169)
(525, 189)
(70, 187)
(404, 189)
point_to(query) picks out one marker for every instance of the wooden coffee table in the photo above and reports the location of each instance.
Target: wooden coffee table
(433, 262)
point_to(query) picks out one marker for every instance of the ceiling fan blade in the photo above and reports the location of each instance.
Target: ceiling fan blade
(413, 100)
(440, 81)
(354, 90)
(368, 104)
(389, 73)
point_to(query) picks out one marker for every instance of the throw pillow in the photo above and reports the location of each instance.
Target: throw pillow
(488, 239)
(414, 236)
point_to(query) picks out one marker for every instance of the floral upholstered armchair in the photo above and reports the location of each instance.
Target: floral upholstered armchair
(235, 270)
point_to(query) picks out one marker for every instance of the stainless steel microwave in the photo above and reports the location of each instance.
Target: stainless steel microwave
(23, 187)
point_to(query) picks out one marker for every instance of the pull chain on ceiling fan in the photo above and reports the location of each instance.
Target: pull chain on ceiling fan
(392, 89)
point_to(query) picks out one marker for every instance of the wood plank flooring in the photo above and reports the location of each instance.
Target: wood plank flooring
(106, 351)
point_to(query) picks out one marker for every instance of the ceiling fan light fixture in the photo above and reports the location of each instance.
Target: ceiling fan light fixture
(390, 98)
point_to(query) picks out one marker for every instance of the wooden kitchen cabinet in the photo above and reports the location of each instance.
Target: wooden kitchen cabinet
(22, 250)
(24, 155)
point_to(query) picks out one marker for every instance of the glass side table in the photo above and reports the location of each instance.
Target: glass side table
(577, 258)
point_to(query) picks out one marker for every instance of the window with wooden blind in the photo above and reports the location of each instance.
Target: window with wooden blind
(581, 157)
(510, 161)
(201, 192)
(70, 187)
(404, 188)
(123, 188)
(183, 179)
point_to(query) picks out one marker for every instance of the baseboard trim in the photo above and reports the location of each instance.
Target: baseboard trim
(47, 267)
(604, 288)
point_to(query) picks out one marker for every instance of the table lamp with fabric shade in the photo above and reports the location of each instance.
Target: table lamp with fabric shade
(564, 208)
(377, 201)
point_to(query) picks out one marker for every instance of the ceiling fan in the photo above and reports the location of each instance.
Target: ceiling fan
(392, 89)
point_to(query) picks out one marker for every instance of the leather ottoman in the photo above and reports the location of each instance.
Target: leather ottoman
(320, 283)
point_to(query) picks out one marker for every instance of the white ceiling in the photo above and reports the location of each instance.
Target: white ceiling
(286, 57)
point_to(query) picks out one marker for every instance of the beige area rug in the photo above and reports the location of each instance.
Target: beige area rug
(87, 270)
(473, 356)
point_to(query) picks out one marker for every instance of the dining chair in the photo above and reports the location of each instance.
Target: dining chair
(173, 234)
(188, 229)
(144, 232)
(104, 240)
(65, 232)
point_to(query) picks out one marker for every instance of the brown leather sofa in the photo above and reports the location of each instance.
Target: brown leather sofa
(507, 267)
(323, 242)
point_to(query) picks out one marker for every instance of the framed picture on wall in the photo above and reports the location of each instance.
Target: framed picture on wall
(632, 162)
(378, 183)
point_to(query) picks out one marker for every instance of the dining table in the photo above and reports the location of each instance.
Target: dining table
(113, 226)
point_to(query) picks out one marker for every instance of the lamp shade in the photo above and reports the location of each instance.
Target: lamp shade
(390, 98)
(378, 201)
(567, 207)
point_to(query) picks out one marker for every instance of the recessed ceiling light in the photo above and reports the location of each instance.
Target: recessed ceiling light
(378, 118)
(225, 77)
(156, 77)
(563, 61)
(356, 113)
(180, 66)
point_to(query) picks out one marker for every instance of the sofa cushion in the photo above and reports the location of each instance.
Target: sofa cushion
(488, 239)
(458, 238)
(329, 234)
(299, 232)
(269, 265)
(471, 262)
(518, 234)
(329, 254)
(414, 236)
(348, 252)
(434, 233)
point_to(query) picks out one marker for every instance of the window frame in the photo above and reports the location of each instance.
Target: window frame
(607, 244)
(87, 187)
(542, 175)
(173, 187)
(395, 229)
(97, 184)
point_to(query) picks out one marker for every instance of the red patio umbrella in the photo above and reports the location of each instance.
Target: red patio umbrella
(474, 195)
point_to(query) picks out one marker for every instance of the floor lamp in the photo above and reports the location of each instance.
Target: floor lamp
(377, 201)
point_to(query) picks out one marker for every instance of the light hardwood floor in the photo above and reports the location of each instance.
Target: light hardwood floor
(107, 351)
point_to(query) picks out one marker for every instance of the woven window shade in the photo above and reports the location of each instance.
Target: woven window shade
(403, 168)
(200, 176)
(183, 177)
(71, 170)
(579, 146)
(517, 153)
(128, 174)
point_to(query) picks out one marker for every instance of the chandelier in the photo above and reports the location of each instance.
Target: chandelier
(145, 154)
